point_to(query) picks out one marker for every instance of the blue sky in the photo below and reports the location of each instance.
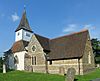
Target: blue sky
(49, 18)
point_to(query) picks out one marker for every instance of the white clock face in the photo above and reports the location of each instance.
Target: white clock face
(33, 48)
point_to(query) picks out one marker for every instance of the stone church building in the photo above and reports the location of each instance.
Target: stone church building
(33, 52)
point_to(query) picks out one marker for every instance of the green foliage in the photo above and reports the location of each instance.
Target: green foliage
(1, 64)
(96, 49)
(95, 44)
(97, 60)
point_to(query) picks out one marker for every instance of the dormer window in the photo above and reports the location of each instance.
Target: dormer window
(27, 34)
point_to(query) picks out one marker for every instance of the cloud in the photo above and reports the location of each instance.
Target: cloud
(70, 28)
(15, 17)
(89, 27)
(77, 27)
(94, 31)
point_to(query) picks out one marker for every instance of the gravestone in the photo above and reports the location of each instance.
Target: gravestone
(4, 68)
(70, 74)
(98, 79)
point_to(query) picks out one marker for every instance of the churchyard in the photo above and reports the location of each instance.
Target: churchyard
(29, 76)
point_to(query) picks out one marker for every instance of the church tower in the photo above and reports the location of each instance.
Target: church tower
(23, 31)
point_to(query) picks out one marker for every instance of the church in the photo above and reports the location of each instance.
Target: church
(35, 53)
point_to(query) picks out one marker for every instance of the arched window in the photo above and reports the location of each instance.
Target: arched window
(16, 61)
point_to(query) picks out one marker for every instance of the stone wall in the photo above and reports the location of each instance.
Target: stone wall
(88, 58)
(82, 65)
(57, 67)
(61, 66)
(27, 62)
(39, 65)
(39, 68)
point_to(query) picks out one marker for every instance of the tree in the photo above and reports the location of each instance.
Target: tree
(1, 64)
(96, 49)
(96, 46)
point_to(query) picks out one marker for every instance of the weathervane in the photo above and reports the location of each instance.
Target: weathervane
(25, 3)
(25, 6)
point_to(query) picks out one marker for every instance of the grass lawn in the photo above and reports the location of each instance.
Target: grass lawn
(90, 76)
(28, 76)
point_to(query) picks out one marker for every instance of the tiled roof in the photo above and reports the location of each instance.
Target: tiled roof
(43, 41)
(65, 47)
(69, 46)
(24, 23)
(19, 46)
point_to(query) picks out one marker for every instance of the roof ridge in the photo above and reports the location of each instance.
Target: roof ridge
(41, 36)
(84, 30)
(43, 41)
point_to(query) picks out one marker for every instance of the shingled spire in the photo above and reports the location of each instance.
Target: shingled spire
(24, 23)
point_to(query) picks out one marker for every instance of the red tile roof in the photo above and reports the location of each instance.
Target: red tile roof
(19, 46)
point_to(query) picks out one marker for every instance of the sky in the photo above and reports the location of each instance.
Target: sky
(49, 18)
